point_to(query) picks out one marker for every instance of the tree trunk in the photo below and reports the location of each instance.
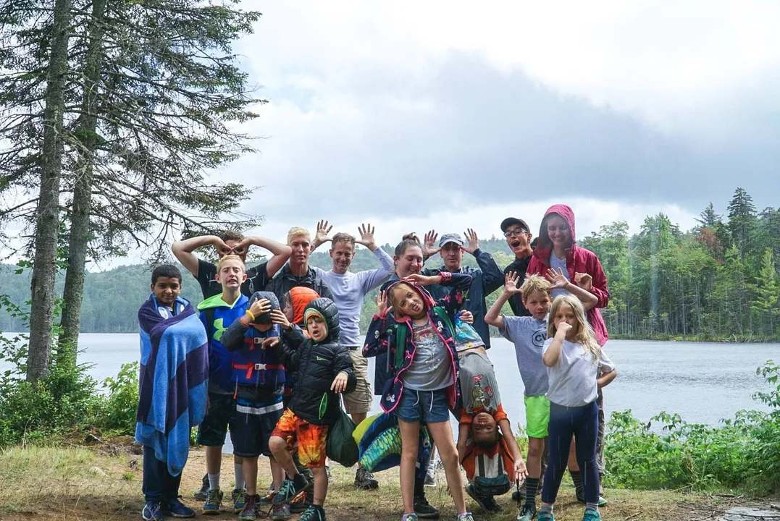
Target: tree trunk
(78, 240)
(47, 225)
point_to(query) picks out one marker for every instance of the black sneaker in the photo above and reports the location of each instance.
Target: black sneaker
(476, 497)
(364, 480)
(527, 513)
(152, 511)
(491, 505)
(423, 509)
(203, 493)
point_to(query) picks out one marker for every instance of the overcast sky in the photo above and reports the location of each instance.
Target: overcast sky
(449, 115)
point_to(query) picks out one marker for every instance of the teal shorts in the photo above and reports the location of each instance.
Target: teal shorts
(537, 416)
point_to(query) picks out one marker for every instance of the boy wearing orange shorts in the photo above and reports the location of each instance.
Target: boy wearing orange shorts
(326, 369)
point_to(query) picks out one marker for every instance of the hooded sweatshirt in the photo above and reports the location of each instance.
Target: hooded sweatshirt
(578, 260)
(317, 364)
(395, 336)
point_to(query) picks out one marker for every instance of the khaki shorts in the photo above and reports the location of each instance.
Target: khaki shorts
(359, 400)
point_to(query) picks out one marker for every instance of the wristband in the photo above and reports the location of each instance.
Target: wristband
(251, 315)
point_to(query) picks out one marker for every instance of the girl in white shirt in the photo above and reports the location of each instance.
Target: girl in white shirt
(576, 368)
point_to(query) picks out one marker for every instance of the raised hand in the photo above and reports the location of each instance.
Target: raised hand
(429, 248)
(510, 282)
(557, 278)
(473, 241)
(322, 234)
(381, 302)
(222, 248)
(366, 232)
(583, 280)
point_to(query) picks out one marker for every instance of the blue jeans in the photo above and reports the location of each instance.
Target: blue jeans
(158, 484)
(583, 424)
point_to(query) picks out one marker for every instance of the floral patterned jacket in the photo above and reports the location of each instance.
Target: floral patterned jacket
(386, 332)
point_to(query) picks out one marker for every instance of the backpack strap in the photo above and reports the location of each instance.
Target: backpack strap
(444, 317)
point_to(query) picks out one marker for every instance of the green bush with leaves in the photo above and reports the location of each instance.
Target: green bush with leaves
(121, 401)
(742, 454)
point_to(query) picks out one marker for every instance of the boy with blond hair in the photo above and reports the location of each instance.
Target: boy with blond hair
(528, 335)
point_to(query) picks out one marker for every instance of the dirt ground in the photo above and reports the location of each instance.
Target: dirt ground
(103, 482)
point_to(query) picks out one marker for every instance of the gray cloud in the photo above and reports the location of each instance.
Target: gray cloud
(466, 133)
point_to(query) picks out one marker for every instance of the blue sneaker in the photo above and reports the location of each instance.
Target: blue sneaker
(591, 515)
(288, 491)
(175, 508)
(213, 502)
(152, 512)
(545, 516)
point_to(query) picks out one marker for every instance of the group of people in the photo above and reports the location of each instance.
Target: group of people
(273, 350)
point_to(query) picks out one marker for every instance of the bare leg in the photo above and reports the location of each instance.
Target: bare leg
(249, 468)
(277, 473)
(410, 439)
(278, 447)
(320, 485)
(448, 453)
(534, 463)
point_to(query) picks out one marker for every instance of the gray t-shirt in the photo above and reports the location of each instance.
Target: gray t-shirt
(528, 334)
(573, 377)
(431, 368)
(478, 383)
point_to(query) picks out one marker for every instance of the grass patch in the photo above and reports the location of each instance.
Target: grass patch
(105, 483)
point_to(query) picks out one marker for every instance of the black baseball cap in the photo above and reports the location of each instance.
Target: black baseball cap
(511, 221)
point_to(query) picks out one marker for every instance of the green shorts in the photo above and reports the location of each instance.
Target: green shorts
(537, 416)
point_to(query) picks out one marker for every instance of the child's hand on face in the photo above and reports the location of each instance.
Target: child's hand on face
(339, 383)
(584, 280)
(556, 277)
(562, 329)
(466, 316)
(278, 317)
(510, 282)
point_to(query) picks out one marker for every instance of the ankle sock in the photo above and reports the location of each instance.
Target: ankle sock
(239, 471)
(214, 481)
(546, 508)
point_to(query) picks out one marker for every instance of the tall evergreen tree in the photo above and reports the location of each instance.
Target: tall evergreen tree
(742, 221)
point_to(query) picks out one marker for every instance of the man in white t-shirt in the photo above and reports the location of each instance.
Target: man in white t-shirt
(349, 289)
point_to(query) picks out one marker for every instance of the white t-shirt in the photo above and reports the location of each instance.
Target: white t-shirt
(572, 380)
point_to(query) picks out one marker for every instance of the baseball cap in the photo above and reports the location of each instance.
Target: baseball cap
(451, 237)
(512, 221)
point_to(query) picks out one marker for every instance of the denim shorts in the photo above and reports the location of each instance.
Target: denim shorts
(424, 406)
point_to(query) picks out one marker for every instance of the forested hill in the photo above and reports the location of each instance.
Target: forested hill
(718, 281)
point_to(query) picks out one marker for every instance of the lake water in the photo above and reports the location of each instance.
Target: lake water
(703, 382)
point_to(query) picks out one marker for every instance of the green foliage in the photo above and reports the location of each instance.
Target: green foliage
(742, 454)
(122, 401)
(53, 405)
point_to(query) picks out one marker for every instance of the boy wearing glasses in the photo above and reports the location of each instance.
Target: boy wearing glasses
(518, 238)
